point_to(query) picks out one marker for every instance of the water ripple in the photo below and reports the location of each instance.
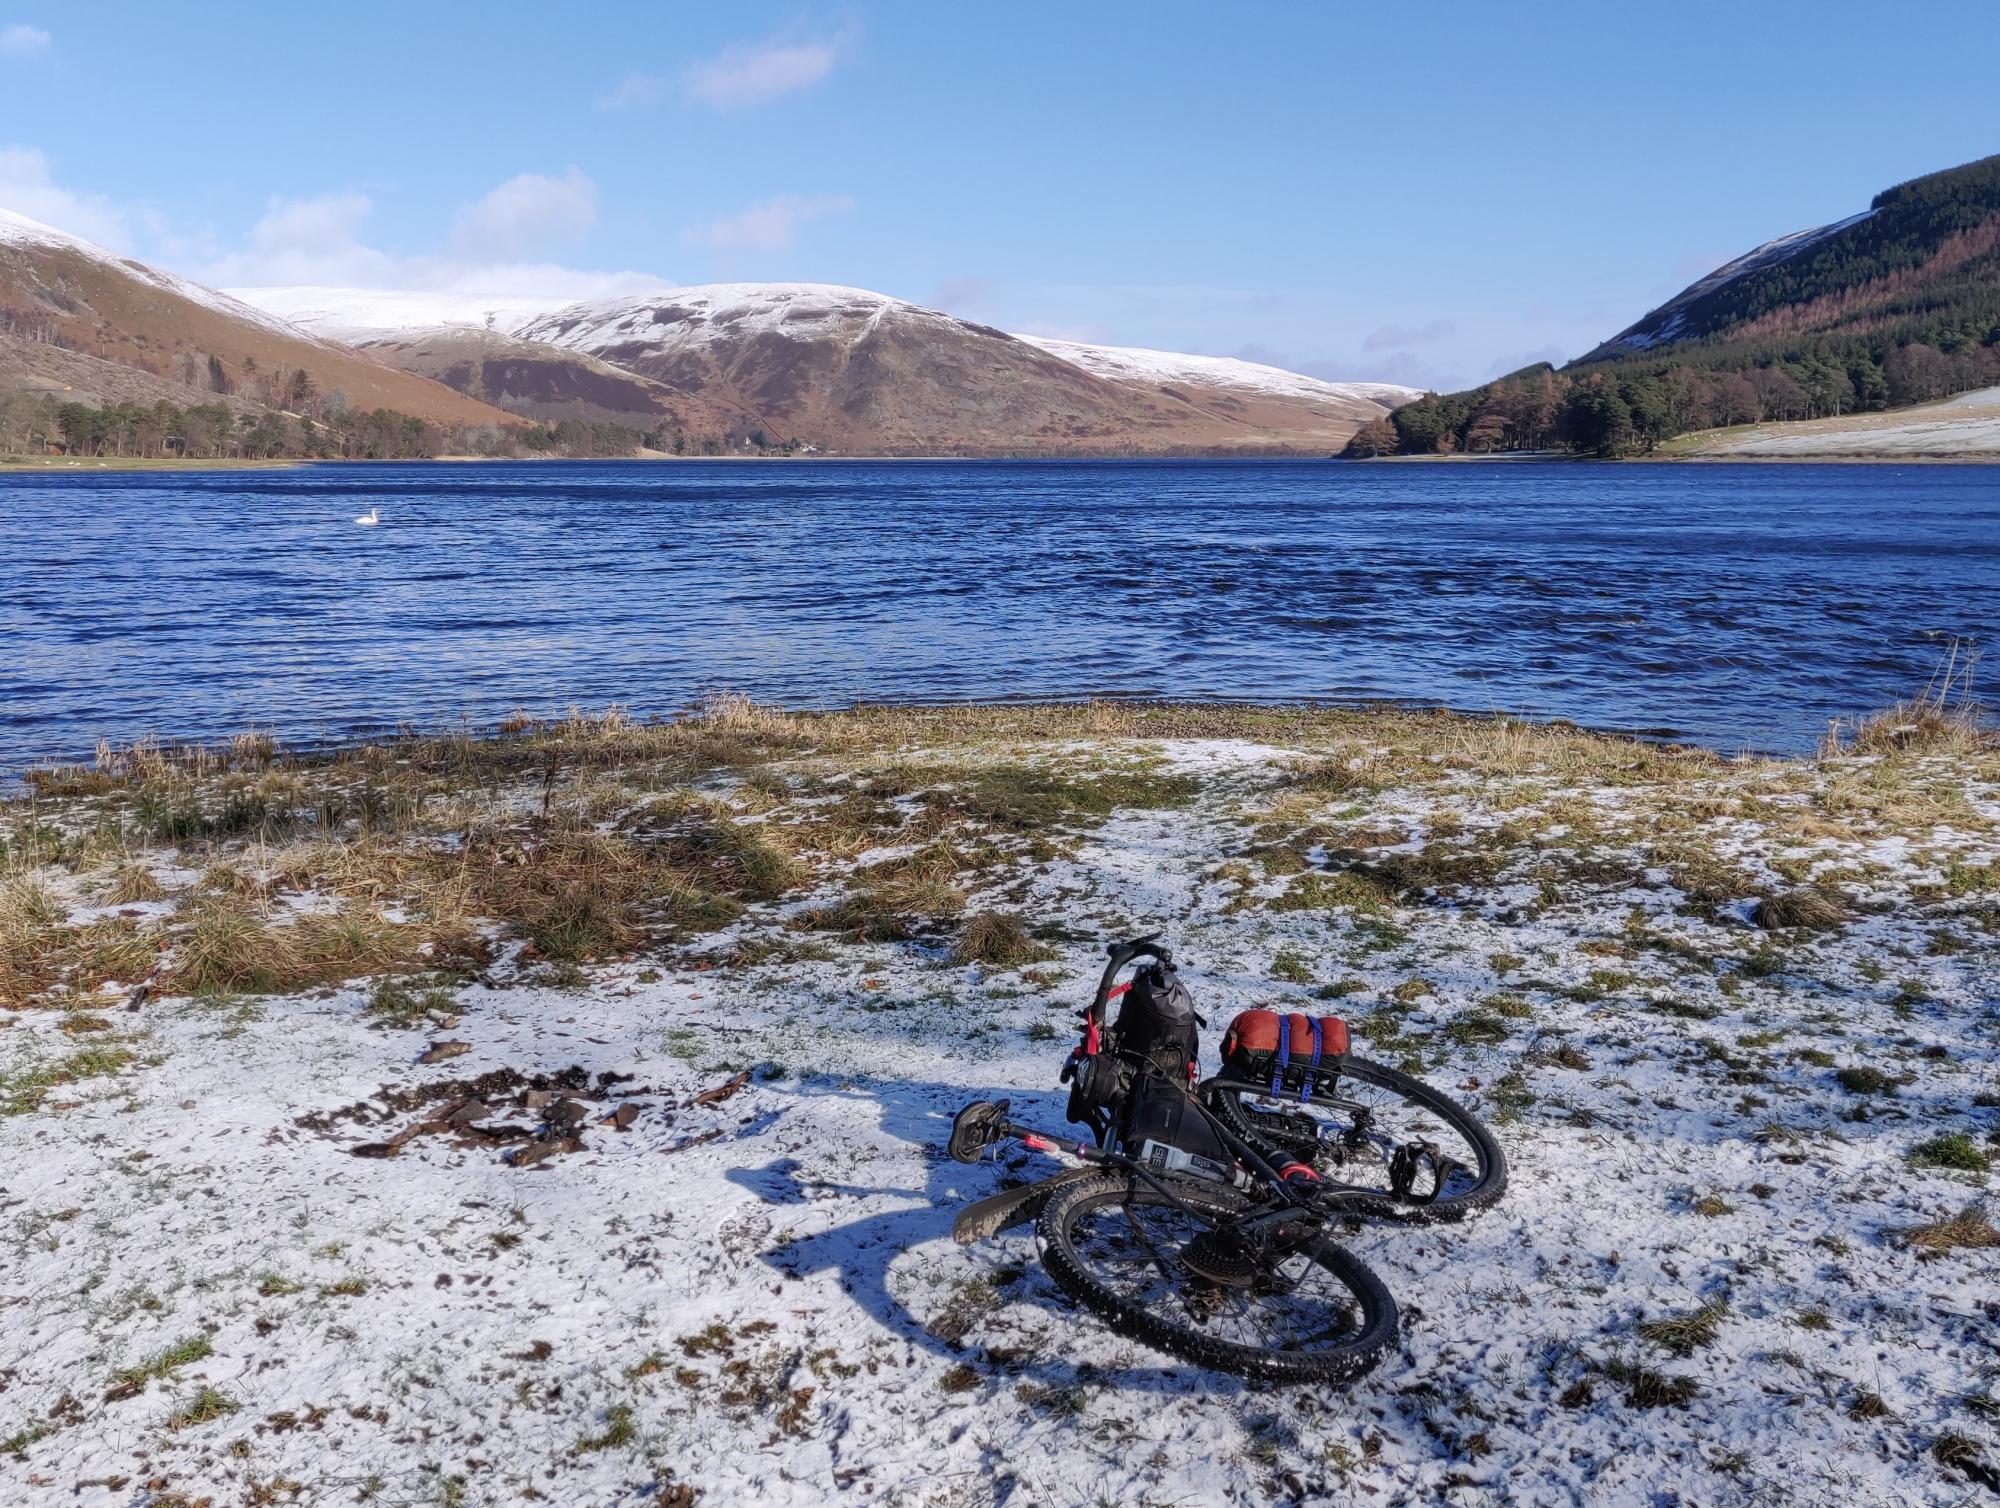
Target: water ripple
(1741, 605)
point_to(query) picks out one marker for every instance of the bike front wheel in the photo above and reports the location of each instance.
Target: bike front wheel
(1167, 1274)
(1351, 1131)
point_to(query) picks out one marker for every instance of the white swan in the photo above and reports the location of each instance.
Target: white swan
(369, 519)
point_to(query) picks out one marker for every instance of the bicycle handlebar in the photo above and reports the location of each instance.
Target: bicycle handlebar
(1121, 954)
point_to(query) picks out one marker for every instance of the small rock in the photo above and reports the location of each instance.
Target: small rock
(623, 1117)
(541, 1151)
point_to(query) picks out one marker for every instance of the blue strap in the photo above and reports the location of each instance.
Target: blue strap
(1306, 1090)
(1284, 1055)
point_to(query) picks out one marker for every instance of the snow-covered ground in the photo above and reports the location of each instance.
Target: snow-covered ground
(755, 1298)
(1967, 425)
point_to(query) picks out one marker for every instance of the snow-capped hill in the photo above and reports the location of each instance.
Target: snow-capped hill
(109, 329)
(1674, 320)
(19, 230)
(1131, 364)
(846, 369)
(350, 314)
(715, 311)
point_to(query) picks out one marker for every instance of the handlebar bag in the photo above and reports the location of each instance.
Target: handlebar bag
(1292, 1053)
(1157, 1021)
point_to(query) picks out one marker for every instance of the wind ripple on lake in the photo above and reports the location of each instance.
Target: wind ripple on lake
(1742, 605)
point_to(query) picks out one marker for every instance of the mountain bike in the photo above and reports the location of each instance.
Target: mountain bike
(1199, 1217)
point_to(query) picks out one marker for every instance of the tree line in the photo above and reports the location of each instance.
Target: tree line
(39, 424)
(1900, 307)
(1627, 408)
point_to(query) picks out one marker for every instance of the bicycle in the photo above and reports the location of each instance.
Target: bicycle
(1198, 1218)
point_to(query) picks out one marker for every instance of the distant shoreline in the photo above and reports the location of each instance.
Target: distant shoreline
(73, 465)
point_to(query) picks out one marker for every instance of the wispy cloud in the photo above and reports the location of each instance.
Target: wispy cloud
(312, 240)
(28, 187)
(1402, 337)
(633, 91)
(528, 210)
(767, 225)
(744, 76)
(20, 41)
(323, 240)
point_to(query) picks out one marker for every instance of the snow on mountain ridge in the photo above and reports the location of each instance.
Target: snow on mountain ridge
(349, 314)
(808, 310)
(20, 230)
(1132, 363)
(1672, 315)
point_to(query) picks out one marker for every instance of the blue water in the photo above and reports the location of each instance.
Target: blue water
(1742, 606)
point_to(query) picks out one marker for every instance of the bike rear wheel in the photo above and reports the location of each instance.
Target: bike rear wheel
(1348, 1132)
(1122, 1249)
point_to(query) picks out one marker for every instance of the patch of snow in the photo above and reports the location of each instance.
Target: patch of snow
(1977, 433)
(356, 313)
(684, 318)
(1985, 397)
(1664, 324)
(1131, 364)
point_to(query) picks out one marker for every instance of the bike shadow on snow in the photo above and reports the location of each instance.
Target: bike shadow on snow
(860, 1251)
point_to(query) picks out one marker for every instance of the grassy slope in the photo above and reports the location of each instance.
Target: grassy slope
(103, 312)
(1723, 1134)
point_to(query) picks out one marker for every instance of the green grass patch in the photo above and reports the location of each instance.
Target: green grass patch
(165, 1363)
(24, 1090)
(619, 1431)
(1953, 1150)
(207, 1405)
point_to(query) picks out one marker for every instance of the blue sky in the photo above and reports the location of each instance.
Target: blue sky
(1430, 194)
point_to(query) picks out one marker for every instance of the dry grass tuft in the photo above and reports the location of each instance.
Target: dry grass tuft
(32, 933)
(131, 885)
(228, 946)
(1684, 1334)
(999, 938)
(1968, 1229)
(1945, 718)
(1808, 906)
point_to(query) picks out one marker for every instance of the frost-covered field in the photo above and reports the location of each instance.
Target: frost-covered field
(1738, 1262)
(1966, 426)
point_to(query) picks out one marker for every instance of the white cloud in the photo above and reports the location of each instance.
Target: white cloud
(322, 240)
(767, 225)
(315, 240)
(319, 242)
(528, 210)
(632, 91)
(19, 42)
(27, 187)
(740, 77)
